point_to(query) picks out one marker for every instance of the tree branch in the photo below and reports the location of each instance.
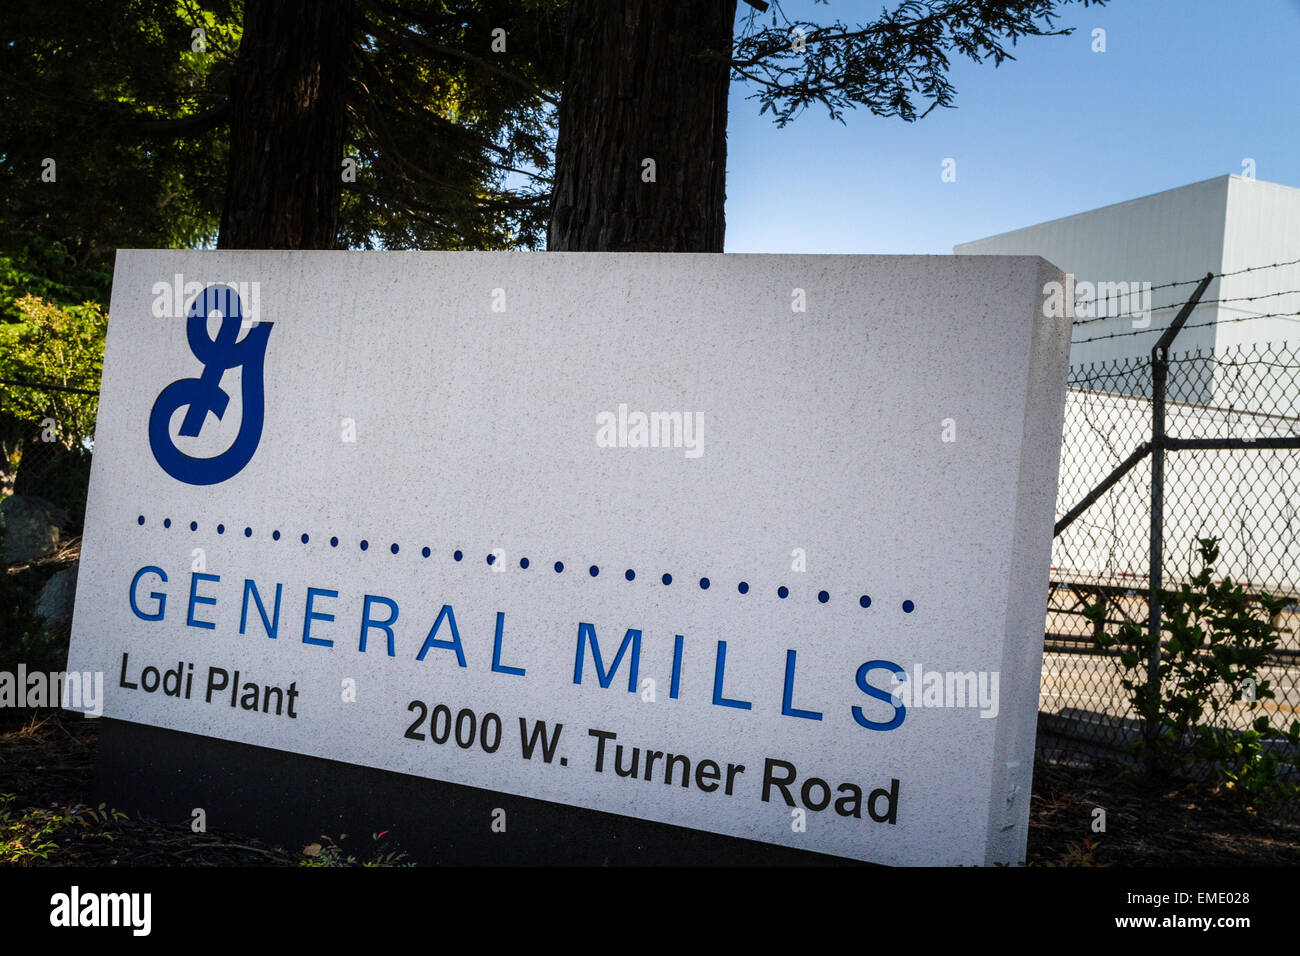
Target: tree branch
(405, 37)
(198, 123)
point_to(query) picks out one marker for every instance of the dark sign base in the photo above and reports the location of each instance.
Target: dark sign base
(292, 800)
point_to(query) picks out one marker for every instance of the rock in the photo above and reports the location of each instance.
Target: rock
(31, 528)
(55, 602)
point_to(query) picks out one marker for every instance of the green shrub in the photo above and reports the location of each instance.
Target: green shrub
(1215, 643)
(30, 835)
(43, 268)
(57, 345)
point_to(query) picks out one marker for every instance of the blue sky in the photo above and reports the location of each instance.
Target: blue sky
(1185, 91)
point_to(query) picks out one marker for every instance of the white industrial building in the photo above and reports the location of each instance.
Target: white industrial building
(1225, 225)
(1221, 225)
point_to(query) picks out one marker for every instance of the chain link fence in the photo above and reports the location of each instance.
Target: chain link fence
(1245, 492)
(1247, 496)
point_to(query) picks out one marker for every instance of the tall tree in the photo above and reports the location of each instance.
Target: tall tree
(419, 111)
(131, 102)
(452, 123)
(649, 79)
(642, 150)
(288, 100)
(431, 117)
(111, 132)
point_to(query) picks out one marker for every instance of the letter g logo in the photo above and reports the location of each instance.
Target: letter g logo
(199, 396)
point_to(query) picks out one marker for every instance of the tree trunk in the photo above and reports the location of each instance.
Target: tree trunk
(288, 99)
(643, 80)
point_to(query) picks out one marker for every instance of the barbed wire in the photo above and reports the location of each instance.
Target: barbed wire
(1196, 281)
(1224, 275)
(1271, 265)
(1172, 305)
(1183, 282)
(1190, 325)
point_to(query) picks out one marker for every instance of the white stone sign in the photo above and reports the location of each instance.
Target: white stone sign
(750, 544)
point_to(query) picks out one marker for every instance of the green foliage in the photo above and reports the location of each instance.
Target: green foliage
(57, 346)
(1251, 770)
(330, 854)
(1214, 648)
(44, 269)
(892, 65)
(1079, 853)
(453, 142)
(113, 93)
(45, 432)
(30, 836)
(25, 836)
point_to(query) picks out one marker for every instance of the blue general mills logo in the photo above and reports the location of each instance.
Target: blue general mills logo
(203, 395)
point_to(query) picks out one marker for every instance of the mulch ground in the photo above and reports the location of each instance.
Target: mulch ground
(47, 761)
(1148, 823)
(47, 765)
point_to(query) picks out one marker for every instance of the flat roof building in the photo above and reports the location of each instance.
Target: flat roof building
(1123, 258)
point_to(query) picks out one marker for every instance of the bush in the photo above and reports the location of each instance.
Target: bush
(54, 345)
(45, 433)
(1214, 646)
(43, 268)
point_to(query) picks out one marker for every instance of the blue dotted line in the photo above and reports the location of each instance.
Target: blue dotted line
(782, 592)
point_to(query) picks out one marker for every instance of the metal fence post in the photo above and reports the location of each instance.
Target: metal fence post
(1155, 576)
